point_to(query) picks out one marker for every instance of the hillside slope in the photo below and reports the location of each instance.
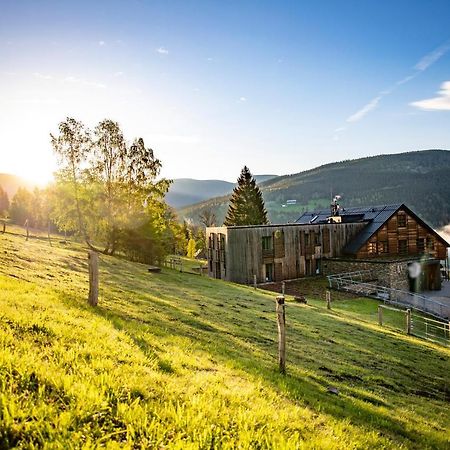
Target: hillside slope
(419, 179)
(179, 361)
(186, 191)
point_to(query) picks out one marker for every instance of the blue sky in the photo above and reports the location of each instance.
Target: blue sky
(211, 86)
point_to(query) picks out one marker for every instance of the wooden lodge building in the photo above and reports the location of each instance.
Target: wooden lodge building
(385, 239)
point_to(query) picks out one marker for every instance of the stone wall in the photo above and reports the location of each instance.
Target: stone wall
(391, 273)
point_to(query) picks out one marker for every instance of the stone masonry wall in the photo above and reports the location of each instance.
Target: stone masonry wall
(393, 274)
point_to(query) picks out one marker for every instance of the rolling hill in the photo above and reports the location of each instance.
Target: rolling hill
(186, 191)
(10, 183)
(175, 360)
(420, 179)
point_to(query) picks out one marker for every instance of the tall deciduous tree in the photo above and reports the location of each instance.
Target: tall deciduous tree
(111, 189)
(72, 147)
(246, 203)
(207, 217)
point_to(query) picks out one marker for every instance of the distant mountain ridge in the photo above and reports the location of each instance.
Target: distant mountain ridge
(421, 179)
(186, 191)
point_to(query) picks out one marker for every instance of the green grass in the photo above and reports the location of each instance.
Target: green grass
(175, 360)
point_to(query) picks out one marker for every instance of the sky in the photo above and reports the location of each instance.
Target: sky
(279, 86)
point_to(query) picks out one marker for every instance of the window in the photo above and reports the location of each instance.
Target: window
(383, 247)
(267, 243)
(307, 241)
(316, 239)
(430, 243)
(421, 245)
(269, 272)
(372, 248)
(401, 220)
(403, 247)
(221, 241)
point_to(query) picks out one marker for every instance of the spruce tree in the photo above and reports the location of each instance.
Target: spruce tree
(246, 203)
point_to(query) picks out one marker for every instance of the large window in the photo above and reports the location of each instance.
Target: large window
(421, 245)
(269, 272)
(307, 239)
(430, 243)
(372, 248)
(267, 243)
(401, 220)
(403, 247)
(383, 247)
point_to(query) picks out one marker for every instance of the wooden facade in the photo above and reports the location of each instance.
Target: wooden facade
(274, 252)
(283, 252)
(404, 234)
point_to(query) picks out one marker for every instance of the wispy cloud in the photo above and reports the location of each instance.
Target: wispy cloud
(432, 57)
(365, 109)
(101, 43)
(118, 74)
(42, 76)
(439, 103)
(423, 64)
(75, 80)
(162, 51)
(69, 79)
(242, 99)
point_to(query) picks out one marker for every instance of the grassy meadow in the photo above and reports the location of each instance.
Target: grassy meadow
(175, 360)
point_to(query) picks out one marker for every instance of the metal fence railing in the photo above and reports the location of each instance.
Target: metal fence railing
(354, 282)
(431, 329)
(418, 325)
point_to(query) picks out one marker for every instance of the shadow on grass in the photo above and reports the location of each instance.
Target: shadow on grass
(318, 337)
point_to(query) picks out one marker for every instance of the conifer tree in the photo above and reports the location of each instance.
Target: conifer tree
(246, 203)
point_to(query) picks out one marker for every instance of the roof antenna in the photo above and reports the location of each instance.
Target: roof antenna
(334, 207)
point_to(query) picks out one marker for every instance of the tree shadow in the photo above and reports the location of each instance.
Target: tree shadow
(216, 327)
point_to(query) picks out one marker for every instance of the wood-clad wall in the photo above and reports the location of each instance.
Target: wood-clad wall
(402, 235)
(296, 250)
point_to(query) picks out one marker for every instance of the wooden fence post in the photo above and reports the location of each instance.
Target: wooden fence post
(93, 278)
(281, 320)
(408, 321)
(254, 281)
(4, 226)
(328, 299)
(28, 229)
(380, 315)
(283, 288)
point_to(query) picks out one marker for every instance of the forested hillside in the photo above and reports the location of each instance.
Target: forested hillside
(186, 191)
(420, 179)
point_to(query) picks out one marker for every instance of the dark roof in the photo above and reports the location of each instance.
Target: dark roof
(375, 216)
(358, 214)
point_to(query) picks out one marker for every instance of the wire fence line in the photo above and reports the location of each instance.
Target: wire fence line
(417, 325)
(358, 283)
